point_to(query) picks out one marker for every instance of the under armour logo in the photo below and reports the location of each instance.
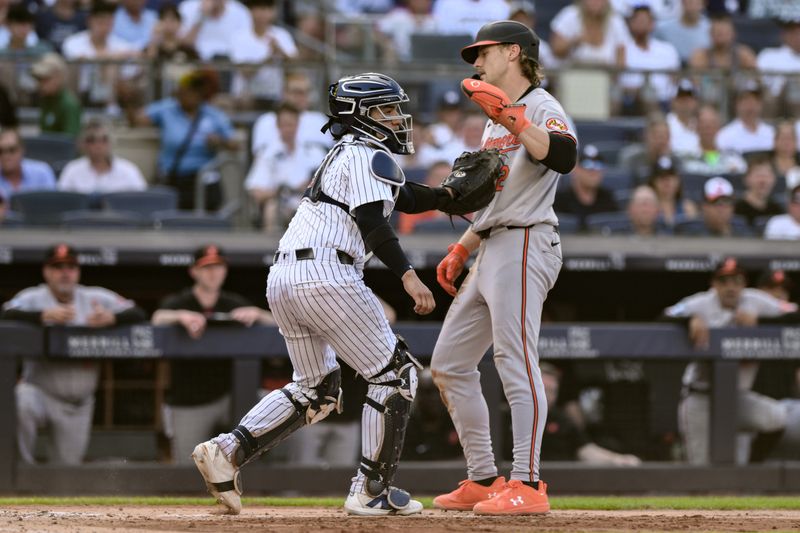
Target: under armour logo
(491, 495)
(517, 501)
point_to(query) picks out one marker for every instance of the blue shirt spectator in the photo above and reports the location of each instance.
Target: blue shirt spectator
(134, 24)
(18, 174)
(175, 124)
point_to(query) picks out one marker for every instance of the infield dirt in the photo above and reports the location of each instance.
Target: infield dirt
(63, 519)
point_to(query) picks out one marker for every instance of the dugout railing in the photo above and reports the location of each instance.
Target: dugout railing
(247, 347)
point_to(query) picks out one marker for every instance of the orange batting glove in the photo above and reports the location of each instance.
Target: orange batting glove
(496, 104)
(451, 266)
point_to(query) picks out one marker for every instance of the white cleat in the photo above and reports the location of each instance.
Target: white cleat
(365, 505)
(221, 477)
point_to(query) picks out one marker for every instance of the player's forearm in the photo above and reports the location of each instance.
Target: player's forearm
(379, 236)
(554, 150)
(536, 141)
(417, 198)
(165, 317)
(470, 241)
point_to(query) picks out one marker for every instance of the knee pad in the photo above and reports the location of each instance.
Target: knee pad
(396, 409)
(311, 404)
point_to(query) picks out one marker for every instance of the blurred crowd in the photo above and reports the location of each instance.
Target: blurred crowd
(702, 137)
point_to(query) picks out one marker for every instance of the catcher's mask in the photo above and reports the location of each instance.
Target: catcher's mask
(352, 99)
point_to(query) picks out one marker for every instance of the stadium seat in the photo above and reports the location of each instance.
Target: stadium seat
(692, 186)
(189, 220)
(610, 150)
(145, 203)
(616, 179)
(100, 220)
(55, 150)
(44, 208)
(609, 223)
(757, 33)
(415, 174)
(599, 131)
(438, 48)
(760, 224)
(545, 13)
(12, 219)
(568, 224)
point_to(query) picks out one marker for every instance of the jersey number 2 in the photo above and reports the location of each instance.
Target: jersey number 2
(501, 180)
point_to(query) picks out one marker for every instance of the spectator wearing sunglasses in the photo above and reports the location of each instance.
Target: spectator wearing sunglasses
(99, 170)
(17, 173)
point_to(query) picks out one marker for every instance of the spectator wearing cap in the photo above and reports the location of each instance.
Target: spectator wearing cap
(209, 26)
(666, 183)
(17, 173)
(711, 161)
(747, 132)
(644, 53)
(784, 59)
(787, 226)
(638, 159)
(728, 303)
(689, 32)
(449, 116)
(281, 173)
(59, 108)
(192, 132)
(397, 27)
(21, 42)
(776, 283)
(717, 213)
(785, 155)
(724, 52)
(682, 121)
(757, 202)
(59, 394)
(585, 194)
(198, 397)
(99, 170)
(589, 32)
(134, 23)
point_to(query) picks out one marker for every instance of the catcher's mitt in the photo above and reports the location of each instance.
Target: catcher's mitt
(473, 181)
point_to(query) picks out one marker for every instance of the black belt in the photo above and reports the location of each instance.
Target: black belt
(486, 233)
(307, 254)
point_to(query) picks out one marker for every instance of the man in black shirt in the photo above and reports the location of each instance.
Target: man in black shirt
(585, 194)
(198, 399)
(757, 201)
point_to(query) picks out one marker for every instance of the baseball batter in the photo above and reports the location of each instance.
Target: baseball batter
(518, 260)
(318, 298)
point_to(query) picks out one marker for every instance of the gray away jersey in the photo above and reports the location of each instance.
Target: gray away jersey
(346, 177)
(707, 306)
(526, 191)
(67, 380)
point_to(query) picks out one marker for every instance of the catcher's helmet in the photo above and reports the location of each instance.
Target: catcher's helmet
(352, 98)
(503, 31)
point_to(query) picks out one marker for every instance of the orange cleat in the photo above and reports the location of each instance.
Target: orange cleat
(517, 498)
(468, 494)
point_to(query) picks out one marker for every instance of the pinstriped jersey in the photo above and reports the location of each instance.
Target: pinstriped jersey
(346, 177)
(527, 188)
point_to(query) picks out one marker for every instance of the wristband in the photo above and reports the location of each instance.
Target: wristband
(458, 249)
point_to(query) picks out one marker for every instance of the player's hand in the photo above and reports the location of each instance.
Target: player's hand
(497, 105)
(246, 315)
(194, 323)
(100, 317)
(422, 295)
(451, 267)
(60, 314)
(698, 332)
(743, 318)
